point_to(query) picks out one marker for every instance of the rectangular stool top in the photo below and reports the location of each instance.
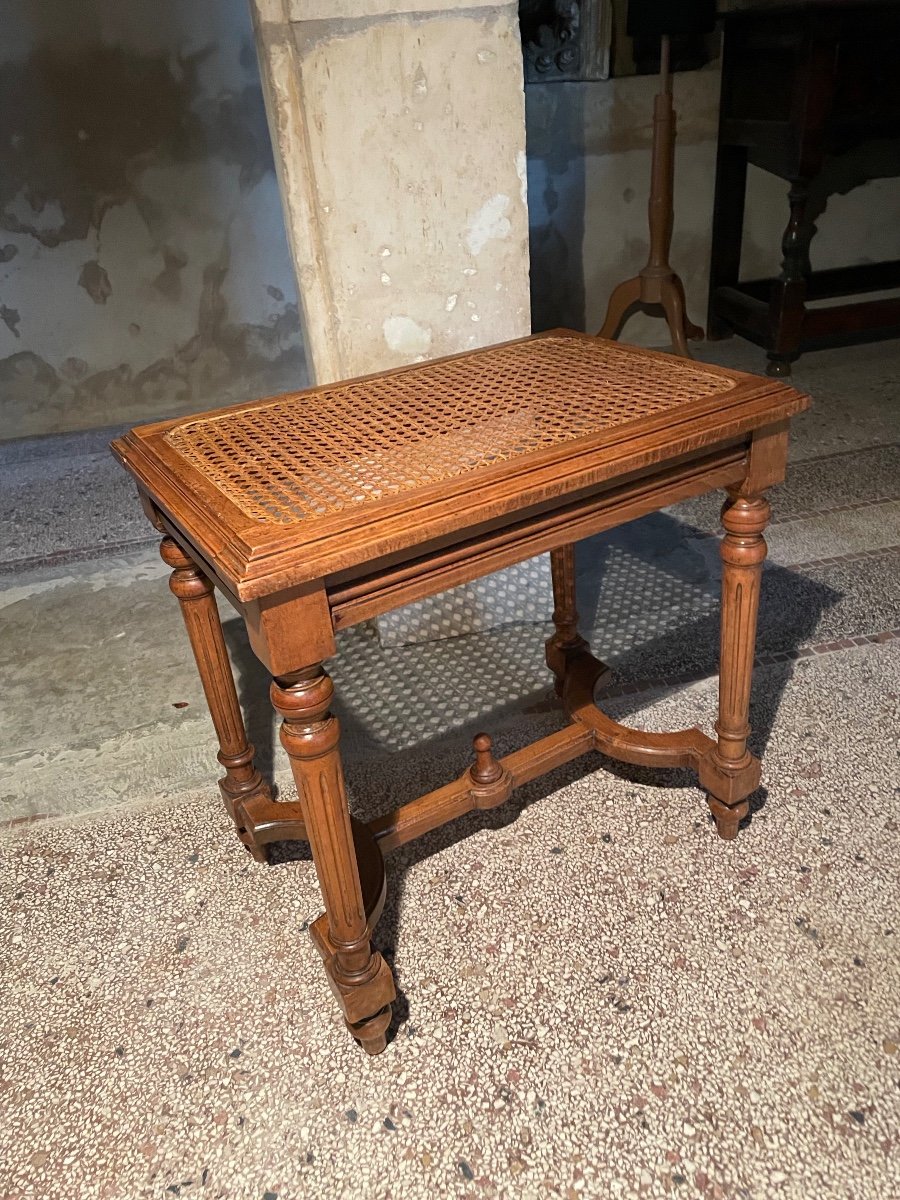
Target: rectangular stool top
(299, 456)
(310, 482)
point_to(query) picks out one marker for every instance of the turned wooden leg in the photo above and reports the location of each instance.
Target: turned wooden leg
(360, 978)
(787, 304)
(567, 641)
(730, 772)
(201, 617)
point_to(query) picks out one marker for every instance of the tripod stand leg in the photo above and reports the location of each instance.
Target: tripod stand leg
(624, 296)
(672, 300)
(694, 332)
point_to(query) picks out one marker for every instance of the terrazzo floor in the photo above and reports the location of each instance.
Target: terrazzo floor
(598, 997)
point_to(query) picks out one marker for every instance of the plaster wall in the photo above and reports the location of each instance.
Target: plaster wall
(400, 139)
(588, 179)
(144, 269)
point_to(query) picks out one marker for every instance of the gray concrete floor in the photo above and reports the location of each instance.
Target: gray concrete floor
(669, 1016)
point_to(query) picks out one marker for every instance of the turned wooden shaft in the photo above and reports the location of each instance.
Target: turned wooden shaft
(565, 614)
(310, 734)
(486, 768)
(660, 209)
(566, 642)
(743, 551)
(797, 235)
(196, 597)
(656, 284)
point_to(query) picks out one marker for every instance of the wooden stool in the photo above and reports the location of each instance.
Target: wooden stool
(314, 511)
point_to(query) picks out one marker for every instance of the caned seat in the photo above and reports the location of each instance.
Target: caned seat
(300, 456)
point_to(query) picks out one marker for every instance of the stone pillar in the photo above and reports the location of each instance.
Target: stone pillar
(399, 135)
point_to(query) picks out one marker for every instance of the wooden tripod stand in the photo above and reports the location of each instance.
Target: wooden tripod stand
(657, 285)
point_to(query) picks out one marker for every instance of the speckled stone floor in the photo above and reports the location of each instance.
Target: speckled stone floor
(598, 997)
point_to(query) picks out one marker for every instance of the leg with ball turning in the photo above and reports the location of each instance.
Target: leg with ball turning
(360, 978)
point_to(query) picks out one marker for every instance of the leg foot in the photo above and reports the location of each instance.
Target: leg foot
(694, 332)
(372, 1034)
(727, 818)
(672, 300)
(778, 368)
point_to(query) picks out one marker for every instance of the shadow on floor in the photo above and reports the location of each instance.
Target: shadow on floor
(645, 589)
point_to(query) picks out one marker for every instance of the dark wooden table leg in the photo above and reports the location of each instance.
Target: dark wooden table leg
(567, 641)
(727, 231)
(730, 772)
(310, 733)
(787, 305)
(201, 617)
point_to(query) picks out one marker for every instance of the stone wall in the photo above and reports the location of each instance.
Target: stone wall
(400, 138)
(143, 263)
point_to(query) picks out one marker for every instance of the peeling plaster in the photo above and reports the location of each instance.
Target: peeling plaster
(489, 222)
(95, 281)
(522, 172)
(146, 271)
(168, 281)
(10, 318)
(68, 148)
(405, 336)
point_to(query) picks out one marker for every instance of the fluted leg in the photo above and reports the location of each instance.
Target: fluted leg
(730, 772)
(567, 641)
(201, 617)
(310, 733)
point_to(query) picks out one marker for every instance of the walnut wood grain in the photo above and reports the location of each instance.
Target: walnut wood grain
(684, 748)
(359, 598)
(464, 795)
